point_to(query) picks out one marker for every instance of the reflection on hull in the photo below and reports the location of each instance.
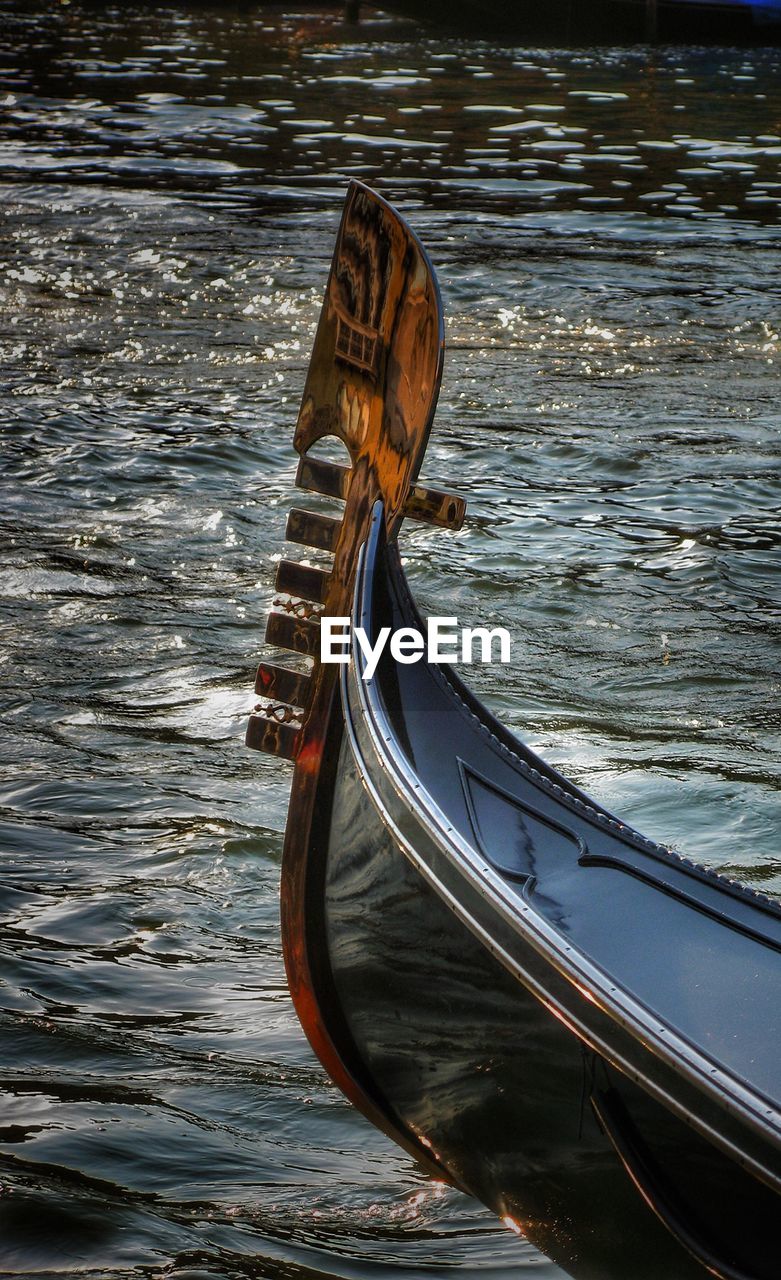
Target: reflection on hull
(477, 1067)
(548, 1010)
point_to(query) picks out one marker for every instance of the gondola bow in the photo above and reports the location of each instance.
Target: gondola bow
(573, 1023)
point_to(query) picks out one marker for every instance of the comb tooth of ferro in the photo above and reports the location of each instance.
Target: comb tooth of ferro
(312, 529)
(280, 684)
(433, 506)
(328, 478)
(267, 734)
(286, 631)
(302, 581)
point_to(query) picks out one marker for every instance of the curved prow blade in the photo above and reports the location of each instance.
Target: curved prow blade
(376, 365)
(373, 383)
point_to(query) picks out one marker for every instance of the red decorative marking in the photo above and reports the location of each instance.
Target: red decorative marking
(308, 757)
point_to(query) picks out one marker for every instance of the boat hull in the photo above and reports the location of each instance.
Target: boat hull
(549, 1108)
(476, 1068)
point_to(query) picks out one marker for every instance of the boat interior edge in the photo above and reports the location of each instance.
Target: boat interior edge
(614, 895)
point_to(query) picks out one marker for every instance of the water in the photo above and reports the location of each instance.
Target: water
(605, 226)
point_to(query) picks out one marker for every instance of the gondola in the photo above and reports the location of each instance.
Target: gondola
(549, 1011)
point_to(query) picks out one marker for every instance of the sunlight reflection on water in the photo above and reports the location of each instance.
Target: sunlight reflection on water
(604, 224)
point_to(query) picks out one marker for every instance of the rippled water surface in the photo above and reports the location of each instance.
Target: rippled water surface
(605, 226)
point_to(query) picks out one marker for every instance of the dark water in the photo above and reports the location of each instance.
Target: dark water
(604, 223)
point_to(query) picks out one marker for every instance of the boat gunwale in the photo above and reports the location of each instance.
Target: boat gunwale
(680, 1057)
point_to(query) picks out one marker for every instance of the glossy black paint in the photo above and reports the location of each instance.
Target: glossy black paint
(579, 1025)
(620, 899)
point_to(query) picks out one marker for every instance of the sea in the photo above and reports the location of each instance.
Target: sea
(604, 222)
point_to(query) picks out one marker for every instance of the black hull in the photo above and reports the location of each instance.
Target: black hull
(470, 1062)
(610, 1154)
